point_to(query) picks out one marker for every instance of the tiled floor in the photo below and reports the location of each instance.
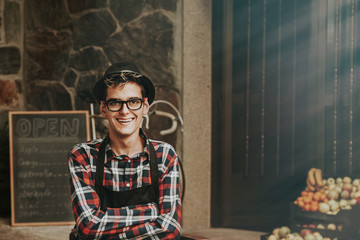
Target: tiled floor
(62, 232)
(32, 233)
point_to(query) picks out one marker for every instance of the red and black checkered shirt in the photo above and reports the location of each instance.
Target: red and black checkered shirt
(160, 220)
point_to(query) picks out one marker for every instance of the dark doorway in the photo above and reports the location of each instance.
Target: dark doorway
(285, 98)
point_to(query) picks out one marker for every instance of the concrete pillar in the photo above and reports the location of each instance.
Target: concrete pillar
(197, 112)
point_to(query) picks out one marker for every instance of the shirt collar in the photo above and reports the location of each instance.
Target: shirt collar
(145, 153)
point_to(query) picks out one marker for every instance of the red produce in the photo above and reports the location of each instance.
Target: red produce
(305, 232)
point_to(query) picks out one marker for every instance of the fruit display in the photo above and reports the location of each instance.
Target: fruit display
(284, 233)
(329, 206)
(322, 226)
(312, 201)
(328, 195)
(326, 209)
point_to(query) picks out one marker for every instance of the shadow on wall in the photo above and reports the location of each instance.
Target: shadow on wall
(4, 170)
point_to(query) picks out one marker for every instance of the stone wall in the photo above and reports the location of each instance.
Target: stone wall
(11, 41)
(53, 51)
(68, 45)
(11, 85)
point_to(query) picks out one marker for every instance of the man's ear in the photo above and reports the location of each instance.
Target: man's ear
(103, 109)
(146, 106)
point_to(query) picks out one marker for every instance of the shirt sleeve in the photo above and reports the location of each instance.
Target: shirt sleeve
(93, 223)
(146, 221)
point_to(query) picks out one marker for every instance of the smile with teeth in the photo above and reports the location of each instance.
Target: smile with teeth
(124, 120)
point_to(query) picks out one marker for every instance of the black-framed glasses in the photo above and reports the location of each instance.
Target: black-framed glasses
(115, 105)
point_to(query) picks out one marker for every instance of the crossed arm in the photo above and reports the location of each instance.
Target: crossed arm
(153, 221)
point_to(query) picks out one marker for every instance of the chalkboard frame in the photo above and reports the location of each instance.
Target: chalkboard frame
(11, 141)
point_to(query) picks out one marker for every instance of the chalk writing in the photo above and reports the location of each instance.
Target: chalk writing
(32, 213)
(34, 194)
(40, 144)
(49, 127)
(27, 150)
(32, 185)
(31, 174)
(28, 163)
(34, 163)
(23, 206)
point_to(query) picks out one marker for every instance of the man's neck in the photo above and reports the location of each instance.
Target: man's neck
(127, 145)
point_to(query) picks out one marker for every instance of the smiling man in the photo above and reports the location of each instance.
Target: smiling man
(125, 186)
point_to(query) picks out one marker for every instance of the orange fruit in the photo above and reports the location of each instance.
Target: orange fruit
(307, 200)
(301, 204)
(316, 197)
(314, 207)
(323, 196)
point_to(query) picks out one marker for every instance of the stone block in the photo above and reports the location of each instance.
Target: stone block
(44, 14)
(169, 5)
(84, 91)
(48, 95)
(89, 58)
(80, 5)
(125, 10)
(47, 53)
(93, 28)
(9, 94)
(149, 43)
(70, 78)
(12, 23)
(9, 60)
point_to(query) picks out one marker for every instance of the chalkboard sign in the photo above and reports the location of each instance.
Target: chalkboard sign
(39, 144)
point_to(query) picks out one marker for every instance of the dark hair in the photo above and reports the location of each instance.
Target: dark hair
(122, 73)
(117, 79)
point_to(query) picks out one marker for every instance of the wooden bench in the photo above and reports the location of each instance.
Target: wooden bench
(192, 237)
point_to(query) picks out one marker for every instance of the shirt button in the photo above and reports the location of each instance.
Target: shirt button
(128, 184)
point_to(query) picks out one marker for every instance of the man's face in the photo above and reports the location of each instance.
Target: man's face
(125, 122)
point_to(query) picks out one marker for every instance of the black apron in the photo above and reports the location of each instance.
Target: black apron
(118, 199)
(115, 199)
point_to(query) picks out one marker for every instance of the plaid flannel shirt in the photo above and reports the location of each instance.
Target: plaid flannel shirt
(145, 221)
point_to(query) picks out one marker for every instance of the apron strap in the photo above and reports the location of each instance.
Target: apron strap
(154, 170)
(100, 170)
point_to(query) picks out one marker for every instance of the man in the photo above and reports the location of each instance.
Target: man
(125, 186)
